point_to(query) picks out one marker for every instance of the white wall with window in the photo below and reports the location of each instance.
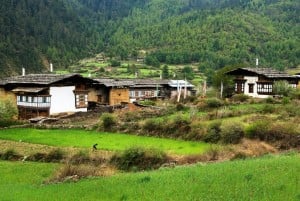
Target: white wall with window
(34, 101)
(63, 100)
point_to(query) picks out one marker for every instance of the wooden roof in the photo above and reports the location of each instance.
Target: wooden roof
(267, 72)
(29, 89)
(114, 82)
(40, 79)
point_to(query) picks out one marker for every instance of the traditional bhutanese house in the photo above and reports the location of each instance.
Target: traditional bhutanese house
(181, 87)
(147, 89)
(258, 82)
(111, 91)
(46, 94)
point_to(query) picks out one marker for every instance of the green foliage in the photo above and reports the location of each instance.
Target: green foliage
(55, 155)
(115, 63)
(165, 72)
(232, 132)
(108, 121)
(8, 110)
(137, 158)
(240, 98)
(266, 178)
(106, 141)
(212, 33)
(257, 129)
(213, 134)
(282, 88)
(268, 108)
(10, 154)
(214, 102)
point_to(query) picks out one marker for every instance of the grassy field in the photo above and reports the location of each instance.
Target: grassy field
(106, 141)
(271, 178)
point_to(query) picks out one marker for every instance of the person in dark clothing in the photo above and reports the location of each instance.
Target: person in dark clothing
(95, 147)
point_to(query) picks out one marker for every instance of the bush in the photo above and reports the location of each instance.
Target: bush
(257, 129)
(40, 157)
(282, 88)
(8, 110)
(177, 127)
(295, 94)
(55, 155)
(10, 154)
(240, 98)
(285, 100)
(214, 102)
(136, 158)
(281, 130)
(152, 126)
(147, 102)
(213, 134)
(267, 108)
(115, 63)
(270, 100)
(80, 158)
(231, 132)
(108, 121)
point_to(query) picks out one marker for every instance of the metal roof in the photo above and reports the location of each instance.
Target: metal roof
(181, 83)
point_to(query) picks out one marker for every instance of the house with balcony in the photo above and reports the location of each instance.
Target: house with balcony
(46, 94)
(258, 82)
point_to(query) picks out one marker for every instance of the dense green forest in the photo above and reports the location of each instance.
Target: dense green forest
(215, 33)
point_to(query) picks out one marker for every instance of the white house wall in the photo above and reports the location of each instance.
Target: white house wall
(252, 80)
(63, 100)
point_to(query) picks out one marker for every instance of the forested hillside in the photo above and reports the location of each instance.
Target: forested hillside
(214, 33)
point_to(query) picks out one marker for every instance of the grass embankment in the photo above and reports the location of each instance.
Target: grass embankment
(106, 141)
(268, 178)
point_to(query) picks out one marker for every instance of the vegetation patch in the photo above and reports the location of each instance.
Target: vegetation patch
(138, 158)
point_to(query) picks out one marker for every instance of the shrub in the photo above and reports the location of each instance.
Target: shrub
(282, 88)
(285, 100)
(152, 126)
(292, 109)
(267, 108)
(10, 154)
(257, 129)
(213, 134)
(108, 121)
(55, 155)
(240, 98)
(115, 63)
(280, 130)
(270, 100)
(80, 158)
(178, 126)
(136, 158)
(147, 102)
(214, 102)
(8, 110)
(295, 94)
(231, 132)
(40, 157)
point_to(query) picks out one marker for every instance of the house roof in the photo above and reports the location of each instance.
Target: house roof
(267, 72)
(29, 89)
(142, 83)
(181, 83)
(40, 79)
(114, 82)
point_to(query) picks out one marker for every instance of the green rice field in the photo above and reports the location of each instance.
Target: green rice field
(105, 141)
(270, 178)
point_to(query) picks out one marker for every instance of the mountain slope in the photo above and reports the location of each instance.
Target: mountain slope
(214, 33)
(224, 33)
